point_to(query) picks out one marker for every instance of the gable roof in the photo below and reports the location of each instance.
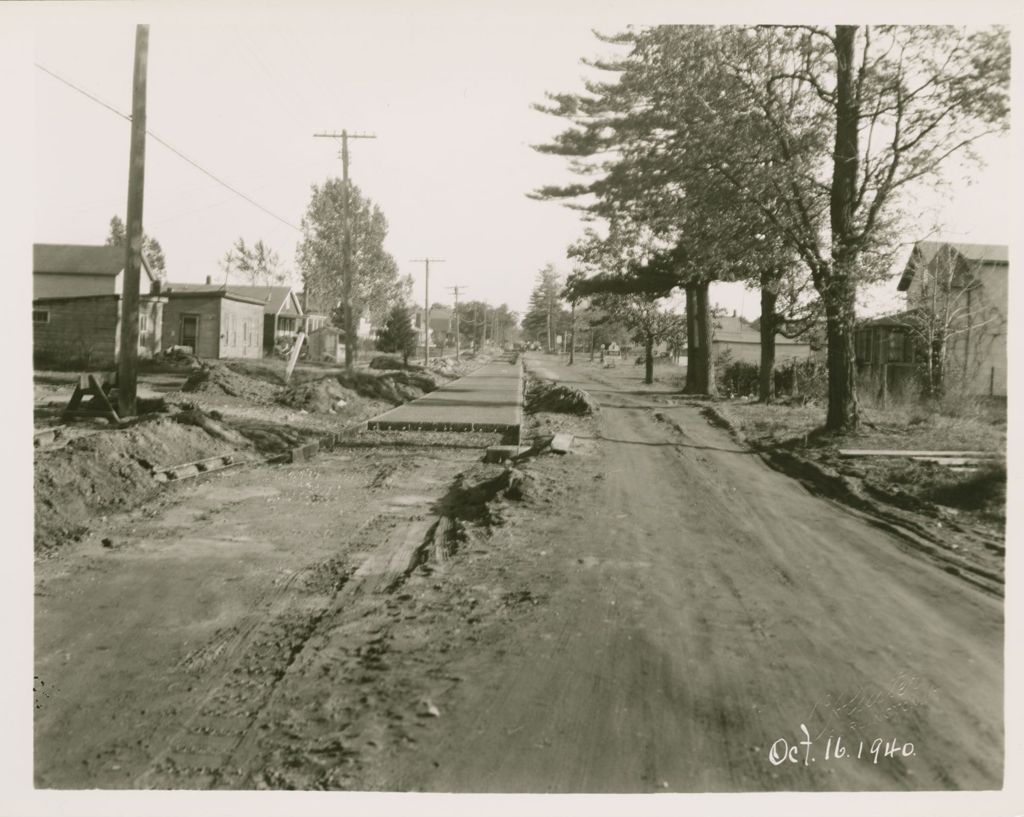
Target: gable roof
(81, 259)
(925, 251)
(276, 300)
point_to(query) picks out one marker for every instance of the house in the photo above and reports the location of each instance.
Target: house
(442, 329)
(283, 316)
(76, 306)
(213, 323)
(740, 340)
(78, 270)
(958, 294)
(885, 349)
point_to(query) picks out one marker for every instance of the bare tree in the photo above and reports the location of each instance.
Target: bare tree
(948, 311)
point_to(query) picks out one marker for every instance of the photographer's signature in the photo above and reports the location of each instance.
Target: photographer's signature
(835, 717)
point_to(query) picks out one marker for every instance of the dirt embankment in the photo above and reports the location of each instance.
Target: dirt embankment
(223, 407)
(109, 471)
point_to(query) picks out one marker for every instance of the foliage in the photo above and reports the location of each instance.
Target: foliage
(711, 137)
(546, 316)
(151, 248)
(736, 378)
(398, 334)
(376, 284)
(258, 264)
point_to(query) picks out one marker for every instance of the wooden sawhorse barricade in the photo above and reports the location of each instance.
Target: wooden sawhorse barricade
(100, 388)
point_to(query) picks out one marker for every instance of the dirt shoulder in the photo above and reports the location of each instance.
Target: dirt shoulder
(953, 516)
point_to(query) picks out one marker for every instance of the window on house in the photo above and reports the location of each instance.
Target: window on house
(863, 344)
(143, 323)
(40, 316)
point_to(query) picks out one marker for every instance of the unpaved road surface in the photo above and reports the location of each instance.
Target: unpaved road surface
(657, 611)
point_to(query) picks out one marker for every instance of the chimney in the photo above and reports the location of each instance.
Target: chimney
(209, 280)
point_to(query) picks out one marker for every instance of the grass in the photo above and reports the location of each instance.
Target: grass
(974, 426)
(901, 427)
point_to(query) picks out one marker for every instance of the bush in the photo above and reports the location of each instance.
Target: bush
(805, 378)
(737, 378)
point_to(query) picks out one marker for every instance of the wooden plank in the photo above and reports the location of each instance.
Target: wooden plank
(395, 558)
(865, 452)
(951, 461)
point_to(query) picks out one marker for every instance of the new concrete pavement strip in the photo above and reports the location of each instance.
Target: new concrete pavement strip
(487, 399)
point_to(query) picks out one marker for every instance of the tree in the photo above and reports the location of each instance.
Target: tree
(375, 281)
(649, 323)
(546, 315)
(258, 264)
(821, 132)
(947, 308)
(151, 248)
(661, 222)
(398, 334)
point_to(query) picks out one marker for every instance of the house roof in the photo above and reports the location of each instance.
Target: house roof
(737, 329)
(901, 319)
(214, 293)
(82, 259)
(925, 251)
(276, 300)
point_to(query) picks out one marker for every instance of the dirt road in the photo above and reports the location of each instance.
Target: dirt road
(659, 611)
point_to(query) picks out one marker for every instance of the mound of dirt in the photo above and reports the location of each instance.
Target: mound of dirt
(325, 396)
(395, 387)
(215, 376)
(554, 397)
(107, 472)
(179, 356)
(386, 362)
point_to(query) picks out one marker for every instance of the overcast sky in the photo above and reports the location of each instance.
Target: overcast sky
(446, 88)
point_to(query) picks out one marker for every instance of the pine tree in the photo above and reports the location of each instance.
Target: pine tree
(398, 334)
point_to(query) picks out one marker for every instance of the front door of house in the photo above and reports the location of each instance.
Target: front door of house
(190, 331)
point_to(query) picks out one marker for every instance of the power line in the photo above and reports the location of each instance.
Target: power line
(170, 147)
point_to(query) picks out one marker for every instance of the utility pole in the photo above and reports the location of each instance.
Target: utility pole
(346, 241)
(127, 368)
(458, 338)
(426, 307)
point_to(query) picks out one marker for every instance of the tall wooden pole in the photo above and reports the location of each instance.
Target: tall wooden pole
(458, 337)
(127, 369)
(346, 242)
(426, 315)
(426, 308)
(346, 255)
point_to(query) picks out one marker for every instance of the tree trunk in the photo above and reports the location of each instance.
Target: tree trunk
(835, 284)
(704, 376)
(692, 340)
(572, 335)
(350, 353)
(939, 383)
(648, 358)
(765, 383)
(843, 409)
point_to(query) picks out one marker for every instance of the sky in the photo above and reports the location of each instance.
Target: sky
(446, 88)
